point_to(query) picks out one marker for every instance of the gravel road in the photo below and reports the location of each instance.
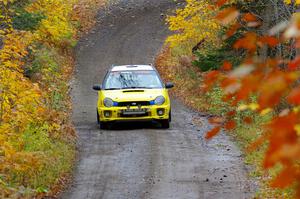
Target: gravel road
(140, 160)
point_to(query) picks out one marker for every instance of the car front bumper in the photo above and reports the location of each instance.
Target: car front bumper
(134, 113)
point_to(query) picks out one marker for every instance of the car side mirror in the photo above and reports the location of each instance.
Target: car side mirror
(169, 85)
(97, 87)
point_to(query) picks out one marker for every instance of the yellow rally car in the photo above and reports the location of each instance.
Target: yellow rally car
(133, 93)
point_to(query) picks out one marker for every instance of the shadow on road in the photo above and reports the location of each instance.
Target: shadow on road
(125, 126)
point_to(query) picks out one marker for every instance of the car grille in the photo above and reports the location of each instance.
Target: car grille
(134, 115)
(126, 104)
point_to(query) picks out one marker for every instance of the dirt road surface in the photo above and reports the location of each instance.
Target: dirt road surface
(140, 160)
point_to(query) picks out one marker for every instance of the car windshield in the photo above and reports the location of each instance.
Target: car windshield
(132, 79)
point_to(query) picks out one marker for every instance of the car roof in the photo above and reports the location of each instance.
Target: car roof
(132, 68)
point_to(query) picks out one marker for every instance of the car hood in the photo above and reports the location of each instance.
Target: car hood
(133, 94)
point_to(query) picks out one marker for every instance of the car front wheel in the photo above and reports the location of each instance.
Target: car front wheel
(104, 125)
(98, 118)
(165, 124)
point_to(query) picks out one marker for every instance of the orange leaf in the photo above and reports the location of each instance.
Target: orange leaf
(293, 65)
(220, 3)
(227, 66)
(228, 97)
(258, 142)
(230, 125)
(269, 40)
(282, 133)
(294, 96)
(248, 17)
(251, 20)
(247, 42)
(231, 113)
(285, 178)
(210, 78)
(215, 120)
(228, 82)
(279, 82)
(213, 132)
(248, 120)
(233, 29)
(249, 84)
(298, 189)
(228, 15)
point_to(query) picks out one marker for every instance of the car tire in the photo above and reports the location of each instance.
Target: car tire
(165, 124)
(104, 125)
(98, 118)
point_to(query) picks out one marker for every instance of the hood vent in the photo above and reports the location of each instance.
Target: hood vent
(133, 91)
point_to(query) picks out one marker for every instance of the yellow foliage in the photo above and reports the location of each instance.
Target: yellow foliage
(22, 101)
(56, 26)
(194, 23)
(5, 2)
(292, 1)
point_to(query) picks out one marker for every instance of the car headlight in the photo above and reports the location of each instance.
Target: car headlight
(108, 102)
(159, 100)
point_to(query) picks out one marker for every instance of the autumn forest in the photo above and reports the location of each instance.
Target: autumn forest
(234, 62)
